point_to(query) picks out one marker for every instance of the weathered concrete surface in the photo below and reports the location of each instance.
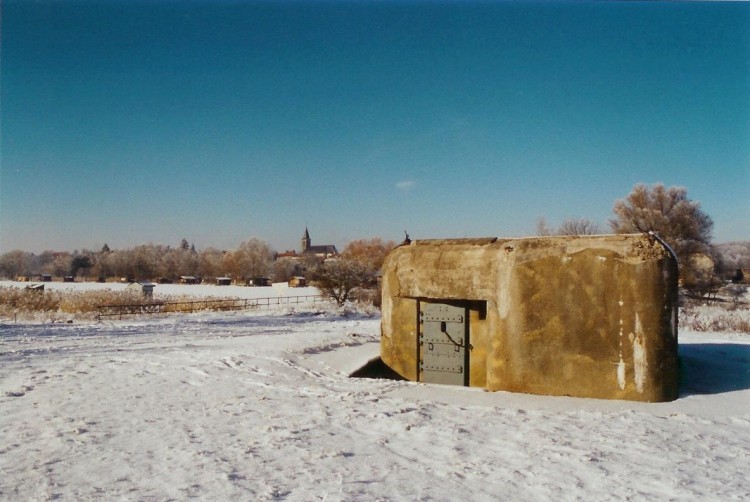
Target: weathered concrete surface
(591, 316)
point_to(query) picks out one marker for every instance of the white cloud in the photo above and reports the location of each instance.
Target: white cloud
(405, 184)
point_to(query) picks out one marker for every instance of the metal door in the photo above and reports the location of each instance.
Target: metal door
(443, 338)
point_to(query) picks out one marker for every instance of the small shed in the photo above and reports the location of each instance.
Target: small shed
(23, 278)
(297, 282)
(45, 277)
(188, 279)
(69, 278)
(589, 316)
(145, 288)
(259, 281)
(223, 281)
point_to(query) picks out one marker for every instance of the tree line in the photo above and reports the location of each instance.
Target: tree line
(666, 211)
(252, 258)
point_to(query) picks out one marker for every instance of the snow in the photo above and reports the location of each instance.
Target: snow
(259, 406)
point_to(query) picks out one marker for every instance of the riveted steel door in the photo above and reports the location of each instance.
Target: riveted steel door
(443, 338)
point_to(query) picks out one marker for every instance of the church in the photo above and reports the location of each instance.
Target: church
(321, 251)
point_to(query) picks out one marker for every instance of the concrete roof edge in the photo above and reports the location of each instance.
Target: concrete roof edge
(492, 240)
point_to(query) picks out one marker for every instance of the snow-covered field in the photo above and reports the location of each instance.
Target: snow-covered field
(259, 406)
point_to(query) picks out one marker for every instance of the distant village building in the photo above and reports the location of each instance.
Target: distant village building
(309, 252)
(323, 251)
(223, 281)
(189, 279)
(287, 255)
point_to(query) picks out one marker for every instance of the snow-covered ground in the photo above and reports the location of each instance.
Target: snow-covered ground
(259, 406)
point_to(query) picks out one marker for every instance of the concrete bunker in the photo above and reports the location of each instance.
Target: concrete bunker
(588, 316)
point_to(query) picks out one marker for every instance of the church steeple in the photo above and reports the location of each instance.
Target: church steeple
(306, 240)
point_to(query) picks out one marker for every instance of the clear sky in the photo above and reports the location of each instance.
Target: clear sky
(129, 122)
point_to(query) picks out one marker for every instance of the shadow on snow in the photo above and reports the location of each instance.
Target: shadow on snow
(714, 368)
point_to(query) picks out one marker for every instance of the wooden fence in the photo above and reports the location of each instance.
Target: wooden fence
(157, 307)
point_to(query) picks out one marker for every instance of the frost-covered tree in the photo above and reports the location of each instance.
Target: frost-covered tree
(60, 265)
(257, 257)
(187, 263)
(252, 258)
(209, 262)
(733, 256)
(143, 261)
(283, 270)
(369, 252)
(15, 263)
(671, 214)
(338, 279)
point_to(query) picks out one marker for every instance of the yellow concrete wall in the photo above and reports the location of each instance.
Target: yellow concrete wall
(590, 316)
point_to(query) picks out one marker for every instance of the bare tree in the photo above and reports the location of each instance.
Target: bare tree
(369, 252)
(187, 262)
(578, 226)
(210, 262)
(732, 256)
(542, 228)
(254, 258)
(60, 264)
(283, 270)
(144, 261)
(669, 213)
(569, 226)
(338, 279)
(15, 263)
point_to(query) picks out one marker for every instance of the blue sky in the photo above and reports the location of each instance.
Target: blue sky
(129, 122)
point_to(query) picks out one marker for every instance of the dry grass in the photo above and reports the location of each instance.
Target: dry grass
(727, 309)
(367, 297)
(734, 317)
(28, 304)
(20, 303)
